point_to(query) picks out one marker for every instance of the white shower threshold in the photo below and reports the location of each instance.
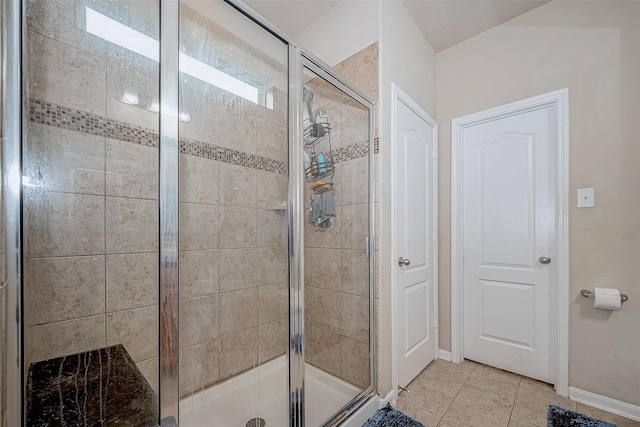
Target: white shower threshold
(262, 393)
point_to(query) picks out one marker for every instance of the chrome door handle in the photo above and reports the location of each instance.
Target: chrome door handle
(403, 262)
(544, 259)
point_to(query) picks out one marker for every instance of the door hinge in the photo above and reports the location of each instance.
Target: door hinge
(435, 152)
(435, 321)
(435, 238)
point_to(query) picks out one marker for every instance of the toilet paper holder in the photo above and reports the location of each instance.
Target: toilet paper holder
(588, 294)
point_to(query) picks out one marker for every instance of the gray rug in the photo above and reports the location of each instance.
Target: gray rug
(390, 417)
(559, 417)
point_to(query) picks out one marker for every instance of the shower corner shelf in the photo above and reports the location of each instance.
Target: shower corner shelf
(320, 187)
(316, 133)
(328, 167)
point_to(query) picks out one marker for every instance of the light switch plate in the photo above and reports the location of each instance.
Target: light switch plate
(586, 198)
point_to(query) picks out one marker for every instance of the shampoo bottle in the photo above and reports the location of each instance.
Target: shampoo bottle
(322, 166)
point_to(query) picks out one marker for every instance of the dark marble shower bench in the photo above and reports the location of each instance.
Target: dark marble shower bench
(101, 387)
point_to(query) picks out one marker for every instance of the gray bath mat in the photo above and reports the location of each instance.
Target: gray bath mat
(390, 417)
(559, 417)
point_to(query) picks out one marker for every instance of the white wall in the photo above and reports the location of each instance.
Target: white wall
(407, 59)
(345, 29)
(592, 49)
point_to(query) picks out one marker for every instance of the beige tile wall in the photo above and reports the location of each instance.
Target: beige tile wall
(337, 270)
(91, 215)
(91, 266)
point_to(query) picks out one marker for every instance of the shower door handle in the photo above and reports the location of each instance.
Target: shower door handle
(403, 262)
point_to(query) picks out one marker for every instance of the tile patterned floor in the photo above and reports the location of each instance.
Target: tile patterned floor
(474, 395)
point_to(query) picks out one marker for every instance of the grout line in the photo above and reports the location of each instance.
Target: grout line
(104, 225)
(456, 396)
(514, 400)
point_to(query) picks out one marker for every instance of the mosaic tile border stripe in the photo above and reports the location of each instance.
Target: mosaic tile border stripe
(351, 151)
(47, 113)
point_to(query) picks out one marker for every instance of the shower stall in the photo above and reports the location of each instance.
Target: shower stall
(189, 210)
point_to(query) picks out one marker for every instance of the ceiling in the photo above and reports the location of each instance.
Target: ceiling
(292, 16)
(443, 22)
(446, 23)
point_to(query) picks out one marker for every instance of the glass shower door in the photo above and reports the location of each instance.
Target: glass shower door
(337, 285)
(233, 219)
(90, 202)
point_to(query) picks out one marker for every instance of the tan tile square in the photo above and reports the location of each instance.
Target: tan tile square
(418, 413)
(238, 310)
(57, 65)
(132, 225)
(132, 170)
(494, 394)
(465, 413)
(149, 369)
(355, 362)
(447, 377)
(64, 160)
(272, 340)
(64, 288)
(427, 396)
(533, 400)
(238, 352)
(494, 375)
(606, 416)
(64, 224)
(517, 422)
(65, 338)
(136, 330)
(324, 350)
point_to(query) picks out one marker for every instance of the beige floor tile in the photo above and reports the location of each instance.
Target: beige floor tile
(445, 376)
(517, 422)
(476, 395)
(495, 375)
(495, 393)
(440, 363)
(465, 413)
(606, 416)
(418, 413)
(467, 366)
(427, 396)
(533, 400)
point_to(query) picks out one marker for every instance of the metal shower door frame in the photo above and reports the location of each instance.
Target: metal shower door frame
(13, 117)
(326, 73)
(299, 58)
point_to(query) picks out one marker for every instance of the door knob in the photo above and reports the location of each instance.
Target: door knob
(544, 259)
(403, 262)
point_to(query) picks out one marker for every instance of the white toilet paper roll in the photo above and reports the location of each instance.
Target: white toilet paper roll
(607, 299)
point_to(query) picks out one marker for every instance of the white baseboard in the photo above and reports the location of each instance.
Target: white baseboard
(444, 355)
(617, 407)
(389, 398)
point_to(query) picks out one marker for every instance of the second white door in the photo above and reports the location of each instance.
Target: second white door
(415, 139)
(508, 234)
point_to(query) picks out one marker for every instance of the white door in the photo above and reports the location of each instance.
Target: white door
(415, 239)
(508, 217)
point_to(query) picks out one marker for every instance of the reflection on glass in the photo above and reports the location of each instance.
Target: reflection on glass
(336, 133)
(120, 34)
(233, 222)
(90, 218)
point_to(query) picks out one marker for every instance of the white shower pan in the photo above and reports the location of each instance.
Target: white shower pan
(262, 393)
